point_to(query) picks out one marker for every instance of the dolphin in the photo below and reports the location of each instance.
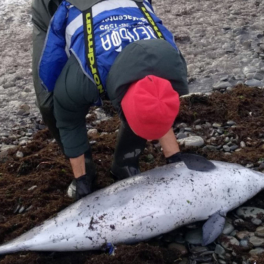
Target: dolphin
(147, 205)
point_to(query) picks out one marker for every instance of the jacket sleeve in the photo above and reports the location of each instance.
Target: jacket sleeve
(54, 56)
(42, 11)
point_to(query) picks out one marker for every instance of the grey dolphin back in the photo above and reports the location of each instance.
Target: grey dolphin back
(83, 5)
(196, 162)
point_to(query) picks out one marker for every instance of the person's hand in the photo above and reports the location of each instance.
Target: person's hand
(121, 173)
(174, 158)
(84, 186)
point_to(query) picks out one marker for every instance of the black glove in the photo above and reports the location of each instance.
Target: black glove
(121, 173)
(84, 186)
(174, 158)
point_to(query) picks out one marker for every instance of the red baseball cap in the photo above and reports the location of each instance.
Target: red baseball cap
(150, 106)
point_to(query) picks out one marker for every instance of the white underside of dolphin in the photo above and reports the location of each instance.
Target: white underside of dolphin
(144, 206)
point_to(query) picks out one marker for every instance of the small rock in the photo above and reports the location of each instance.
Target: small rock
(225, 78)
(179, 247)
(244, 243)
(198, 127)
(221, 85)
(226, 148)
(233, 147)
(249, 70)
(258, 76)
(242, 144)
(256, 241)
(249, 212)
(181, 135)
(32, 188)
(19, 154)
(253, 83)
(256, 221)
(217, 125)
(198, 250)
(23, 142)
(21, 210)
(230, 123)
(193, 141)
(244, 234)
(5, 148)
(228, 242)
(228, 228)
(260, 231)
(194, 236)
(219, 250)
(256, 251)
(210, 148)
(92, 132)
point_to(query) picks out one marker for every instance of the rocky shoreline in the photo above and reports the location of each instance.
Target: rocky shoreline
(222, 49)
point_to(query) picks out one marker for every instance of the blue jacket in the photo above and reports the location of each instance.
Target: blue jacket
(116, 23)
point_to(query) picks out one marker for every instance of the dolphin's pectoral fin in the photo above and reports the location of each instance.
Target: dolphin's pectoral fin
(213, 227)
(196, 162)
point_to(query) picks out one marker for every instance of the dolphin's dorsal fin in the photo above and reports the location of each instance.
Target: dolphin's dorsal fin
(196, 162)
(213, 227)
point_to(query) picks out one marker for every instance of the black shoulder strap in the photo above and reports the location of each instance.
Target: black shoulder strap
(89, 41)
(152, 23)
(90, 46)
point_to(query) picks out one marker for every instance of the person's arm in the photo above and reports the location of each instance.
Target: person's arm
(169, 144)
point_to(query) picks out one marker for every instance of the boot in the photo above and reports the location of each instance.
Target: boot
(129, 146)
(83, 185)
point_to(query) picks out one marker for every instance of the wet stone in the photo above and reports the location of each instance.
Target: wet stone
(256, 251)
(193, 141)
(92, 132)
(249, 70)
(260, 232)
(244, 234)
(258, 76)
(249, 212)
(226, 148)
(221, 85)
(253, 83)
(188, 129)
(198, 127)
(242, 144)
(228, 228)
(194, 236)
(198, 250)
(228, 242)
(181, 135)
(219, 250)
(32, 188)
(256, 241)
(244, 243)
(216, 125)
(233, 147)
(19, 154)
(256, 221)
